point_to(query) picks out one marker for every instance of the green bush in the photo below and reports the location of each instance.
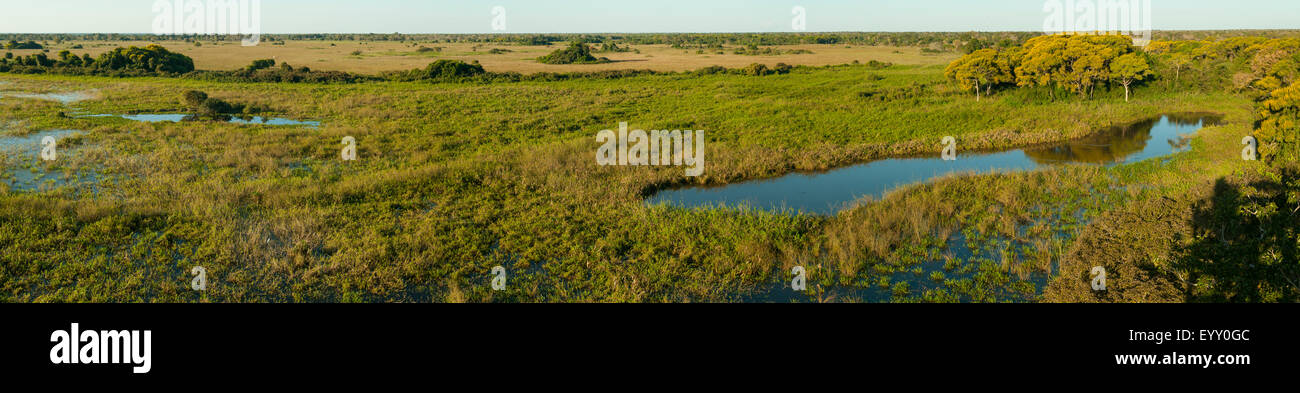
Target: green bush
(152, 58)
(450, 69)
(757, 69)
(23, 45)
(260, 64)
(207, 107)
(193, 98)
(575, 53)
(215, 107)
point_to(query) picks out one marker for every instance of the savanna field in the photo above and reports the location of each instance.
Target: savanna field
(474, 155)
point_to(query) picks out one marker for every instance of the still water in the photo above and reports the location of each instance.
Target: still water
(18, 150)
(828, 192)
(180, 117)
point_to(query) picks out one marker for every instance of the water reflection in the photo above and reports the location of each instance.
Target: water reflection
(828, 192)
(1135, 142)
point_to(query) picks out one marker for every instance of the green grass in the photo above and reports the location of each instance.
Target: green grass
(454, 179)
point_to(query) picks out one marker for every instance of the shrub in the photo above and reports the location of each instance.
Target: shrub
(280, 75)
(153, 58)
(877, 65)
(710, 70)
(613, 47)
(218, 109)
(23, 45)
(260, 64)
(193, 98)
(209, 107)
(757, 69)
(450, 69)
(575, 53)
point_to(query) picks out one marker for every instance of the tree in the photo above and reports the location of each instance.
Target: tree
(984, 67)
(41, 60)
(1279, 127)
(23, 45)
(452, 69)
(1231, 48)
(260, 64)
(152, 58)
(576, 53)
(214, 107)
(1084, 71)
(1128, 69)
(1042, 61)
(975, 44)
(1074, 62)
(1179, 61)
(757, 69)
(193, 98)
(1088, 58)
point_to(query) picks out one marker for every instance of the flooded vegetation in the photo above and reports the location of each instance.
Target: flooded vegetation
(180, 117)
(461, 169)
(25, 171)
(64, 98)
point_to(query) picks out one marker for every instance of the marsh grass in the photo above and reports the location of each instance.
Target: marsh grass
(456, 178)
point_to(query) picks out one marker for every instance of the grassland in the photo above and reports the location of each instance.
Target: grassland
(378, 56)
(454, 179)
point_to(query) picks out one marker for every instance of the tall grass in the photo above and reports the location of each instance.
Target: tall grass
(454, 179)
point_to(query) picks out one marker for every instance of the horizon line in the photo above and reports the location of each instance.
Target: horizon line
(650, 32)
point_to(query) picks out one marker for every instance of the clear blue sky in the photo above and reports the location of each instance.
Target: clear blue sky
(568, 16)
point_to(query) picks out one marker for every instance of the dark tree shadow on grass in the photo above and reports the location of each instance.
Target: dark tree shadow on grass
(1244, 247)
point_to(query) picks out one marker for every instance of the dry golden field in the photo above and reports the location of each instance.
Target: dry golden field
(375, 57)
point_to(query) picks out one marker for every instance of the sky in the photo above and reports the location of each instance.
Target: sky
(622, 16)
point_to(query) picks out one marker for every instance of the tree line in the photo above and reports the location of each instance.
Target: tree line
(964, 41)
(149, 60)
(1073, 63)
(12, 44)
(1266, 70)
(155, 60)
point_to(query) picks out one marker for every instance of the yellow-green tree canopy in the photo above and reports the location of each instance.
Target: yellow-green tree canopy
(1276, 58)
(1042, 60)
(1129, 68)
(1279, 127)
(982, 68)
(1073, 62)
(1168, 47)
(1228, 49)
